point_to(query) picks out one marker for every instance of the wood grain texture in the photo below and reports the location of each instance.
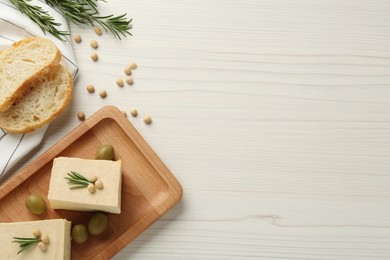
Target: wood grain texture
(274, 116)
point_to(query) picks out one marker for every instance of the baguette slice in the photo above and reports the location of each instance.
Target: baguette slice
(24, 63)
(40, 104)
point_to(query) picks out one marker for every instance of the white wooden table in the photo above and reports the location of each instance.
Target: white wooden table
(274, 116)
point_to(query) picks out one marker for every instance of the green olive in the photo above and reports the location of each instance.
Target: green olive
(105, 152)
(79, 233)
(35, 204)
(97, 224)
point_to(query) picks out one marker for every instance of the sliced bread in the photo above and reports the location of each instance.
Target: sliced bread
(24, 63)
(40, 104)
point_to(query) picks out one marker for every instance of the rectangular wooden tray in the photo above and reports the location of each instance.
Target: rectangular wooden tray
(149, 189)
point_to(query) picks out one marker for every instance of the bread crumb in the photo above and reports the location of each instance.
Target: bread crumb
(129, 80)
(127, 70)
(94, 44)
(90, 88)
(133, 66)
(124, 113)
(119, 82)
(98, 31)
(147, 119)
(133, 112)
(102, 93)
(94, 57)
(81, 116)
(77, 38)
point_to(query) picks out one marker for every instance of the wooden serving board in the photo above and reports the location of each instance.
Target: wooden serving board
(149, 189)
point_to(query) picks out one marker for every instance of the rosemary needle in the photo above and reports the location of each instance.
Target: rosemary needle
(77, 181)
(25, 242)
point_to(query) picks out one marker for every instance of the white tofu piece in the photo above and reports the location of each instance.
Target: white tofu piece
(107, 199)
(58, 231)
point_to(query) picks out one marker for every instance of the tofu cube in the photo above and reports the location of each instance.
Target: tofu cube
(57, 230)
(107, 199)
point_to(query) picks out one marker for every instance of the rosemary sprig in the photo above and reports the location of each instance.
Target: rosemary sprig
(76, 11)
(25, 242)
(77, 181)
(39, 16)
(86, 12)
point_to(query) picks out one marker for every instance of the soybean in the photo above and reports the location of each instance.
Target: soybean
(98, 31)
(134, 112)
(133, 66)
(102, 93)
(120, 82)
(81, 116)
(94, 44)
(94, 57)
(147, 119)
(129, 80)
(127, 70)
(90, 88)
(77, 38)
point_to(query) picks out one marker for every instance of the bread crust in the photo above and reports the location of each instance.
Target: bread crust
(31, 127)
(19, 90)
